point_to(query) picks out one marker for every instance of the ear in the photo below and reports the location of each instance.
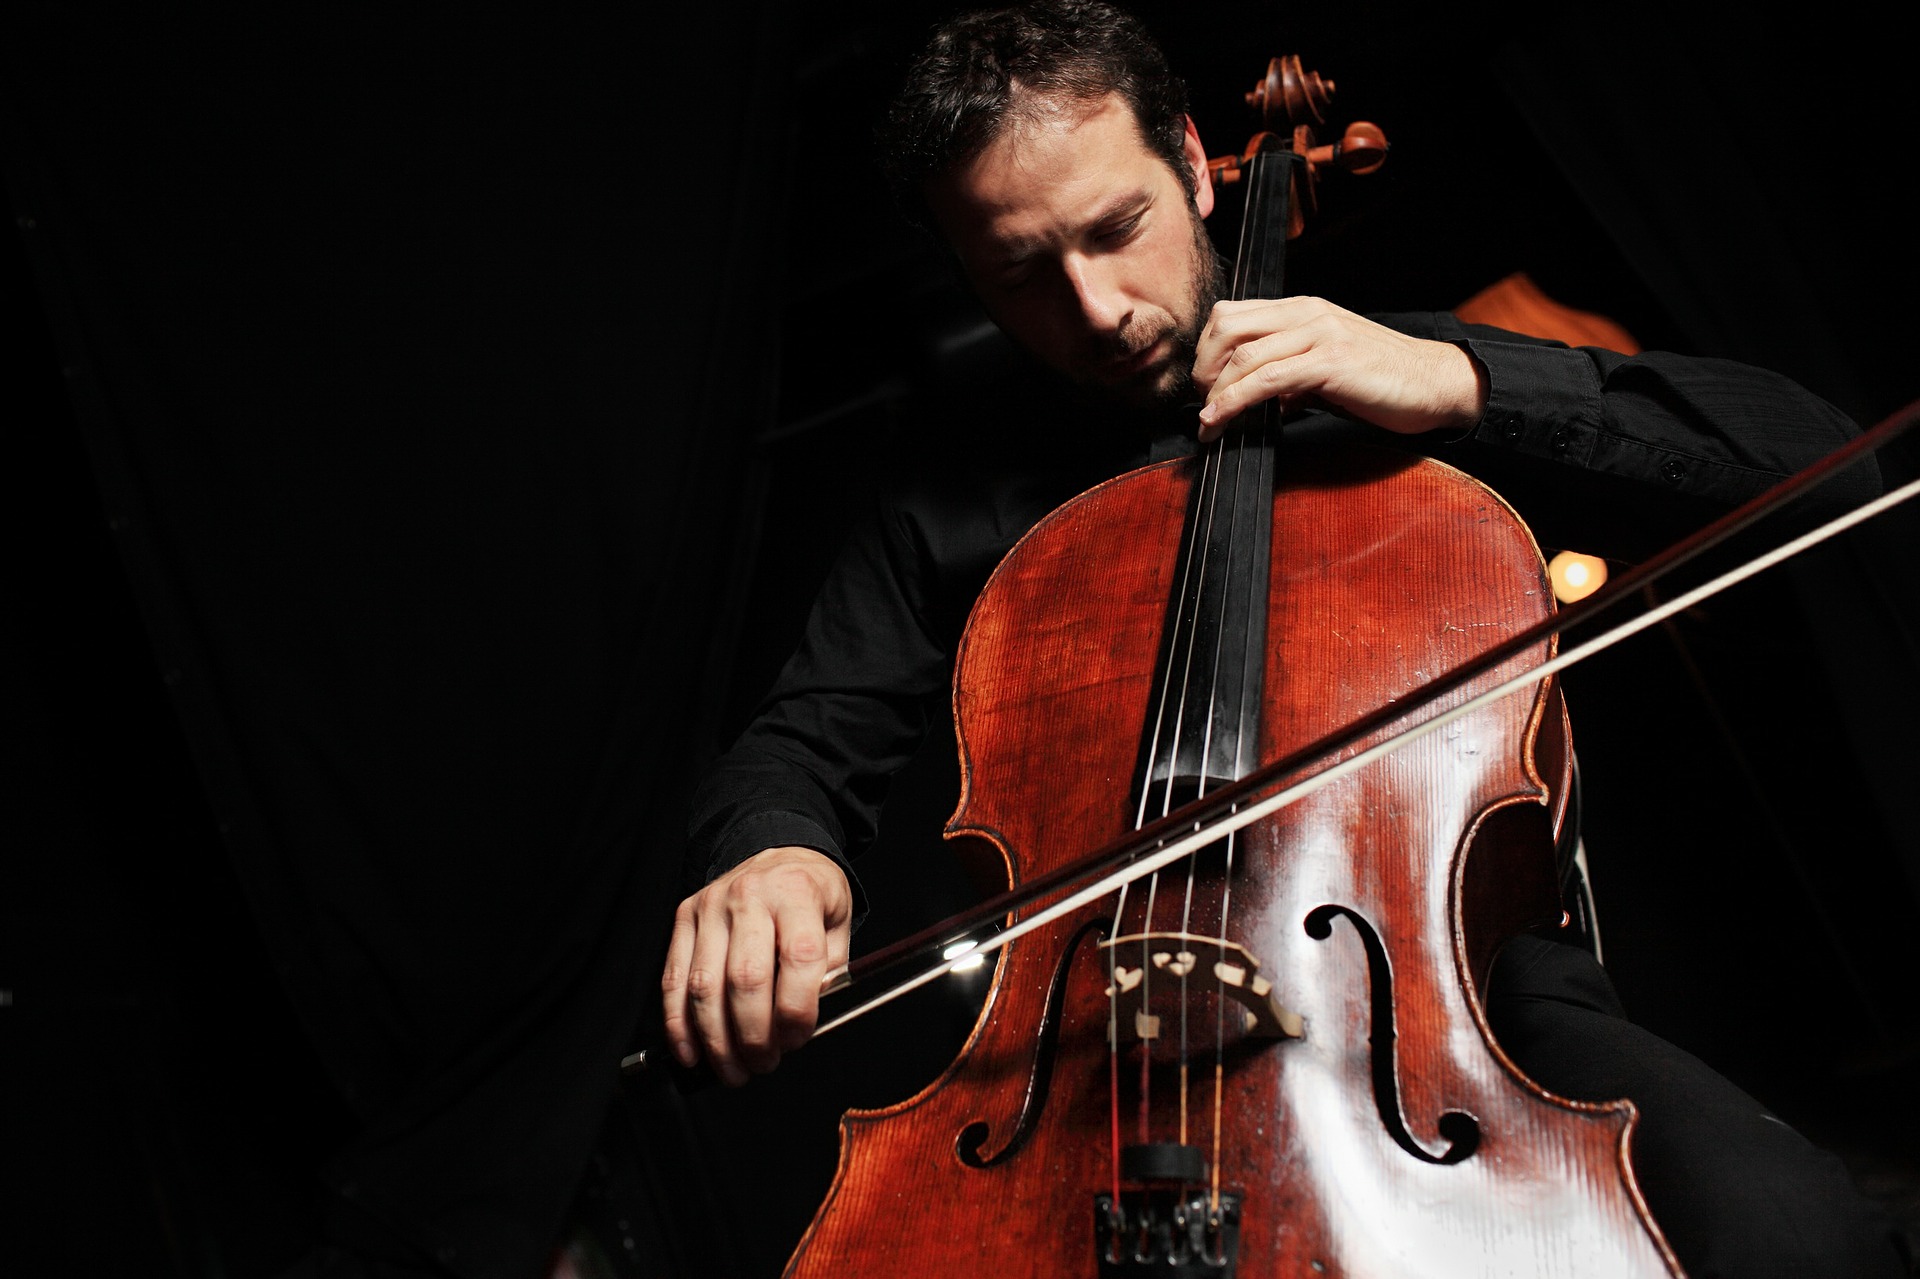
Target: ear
(1196, 155)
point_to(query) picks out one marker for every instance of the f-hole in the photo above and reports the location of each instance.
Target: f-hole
(1460, 1130)
(973, 1137)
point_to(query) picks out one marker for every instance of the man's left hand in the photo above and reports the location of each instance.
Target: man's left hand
(1303, 350)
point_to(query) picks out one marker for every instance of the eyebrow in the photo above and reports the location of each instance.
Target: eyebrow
(1127, 203)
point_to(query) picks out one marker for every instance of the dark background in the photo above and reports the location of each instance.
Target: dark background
(424, 438)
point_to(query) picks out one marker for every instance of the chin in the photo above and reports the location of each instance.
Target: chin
(1149, 390)
(1166, 387)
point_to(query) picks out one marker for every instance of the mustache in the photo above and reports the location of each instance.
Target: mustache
(1130, 342)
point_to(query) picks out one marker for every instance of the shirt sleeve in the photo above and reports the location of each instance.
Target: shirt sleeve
(1622, 455)
(847, 711)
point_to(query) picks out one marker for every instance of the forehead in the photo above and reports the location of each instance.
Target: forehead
(1059, 166)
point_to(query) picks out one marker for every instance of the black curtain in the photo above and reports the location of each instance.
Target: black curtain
(395, 371)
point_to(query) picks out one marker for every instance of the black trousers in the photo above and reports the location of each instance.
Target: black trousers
(1739, 1194)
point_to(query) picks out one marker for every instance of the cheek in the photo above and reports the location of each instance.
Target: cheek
(1174, 275)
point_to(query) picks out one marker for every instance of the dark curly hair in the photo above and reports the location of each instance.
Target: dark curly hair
(969, 82)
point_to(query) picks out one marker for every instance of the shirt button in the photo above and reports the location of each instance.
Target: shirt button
(1511, 426)
(1561, 439)
(1673, 469)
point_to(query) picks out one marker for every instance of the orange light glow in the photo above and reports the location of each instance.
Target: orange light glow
(1576, 576)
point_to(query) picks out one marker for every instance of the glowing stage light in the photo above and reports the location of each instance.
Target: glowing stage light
(1576, 576)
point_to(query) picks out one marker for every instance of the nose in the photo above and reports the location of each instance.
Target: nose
(1098, 292)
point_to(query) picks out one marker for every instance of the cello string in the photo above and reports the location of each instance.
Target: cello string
(1250, 489)
(1206, 763)
(1183, 629)
(1246, 746)
(1163, 735)
(1192, 571)
(1145, 1029)
(1199, 832)
(1186, 916)
(1184, 652)
(1248, 474)
(1113, 1034)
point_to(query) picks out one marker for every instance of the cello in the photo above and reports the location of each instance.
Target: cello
(1271, 1059)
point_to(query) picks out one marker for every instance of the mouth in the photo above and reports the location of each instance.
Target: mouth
(1125, 367)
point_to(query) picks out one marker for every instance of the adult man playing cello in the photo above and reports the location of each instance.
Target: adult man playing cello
(1050, 150)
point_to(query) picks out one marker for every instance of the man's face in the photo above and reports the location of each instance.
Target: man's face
(1084, 248)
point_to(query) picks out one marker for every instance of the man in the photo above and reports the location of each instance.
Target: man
(1049, 149)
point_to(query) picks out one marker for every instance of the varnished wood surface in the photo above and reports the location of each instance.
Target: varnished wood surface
(1051, 693)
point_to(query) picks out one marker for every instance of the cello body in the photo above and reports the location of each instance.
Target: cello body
(1387, 1136)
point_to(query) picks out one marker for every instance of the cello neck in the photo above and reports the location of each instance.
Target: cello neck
(1203, 728)
(1259, 269)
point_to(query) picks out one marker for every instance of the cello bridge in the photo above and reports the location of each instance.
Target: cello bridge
(1197, 967)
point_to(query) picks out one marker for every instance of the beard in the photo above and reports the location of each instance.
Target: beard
(1170, 384)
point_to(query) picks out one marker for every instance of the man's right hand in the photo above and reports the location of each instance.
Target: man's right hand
(747, 958)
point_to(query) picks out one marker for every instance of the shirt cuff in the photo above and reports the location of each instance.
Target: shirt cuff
(1542, 401)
